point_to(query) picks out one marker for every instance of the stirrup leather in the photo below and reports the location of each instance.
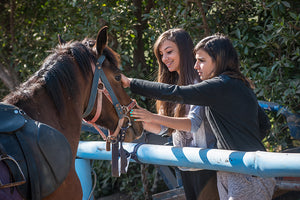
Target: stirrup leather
(16, 183)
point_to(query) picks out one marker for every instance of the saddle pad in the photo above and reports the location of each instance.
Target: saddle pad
(11, 118)
(56, 151)
(50, 151)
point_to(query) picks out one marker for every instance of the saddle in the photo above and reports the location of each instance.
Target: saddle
(41, 152)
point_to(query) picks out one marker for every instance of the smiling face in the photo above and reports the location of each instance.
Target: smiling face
(204, 65)
(169, 53)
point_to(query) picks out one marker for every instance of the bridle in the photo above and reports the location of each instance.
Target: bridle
(115, 138)
(99, 78)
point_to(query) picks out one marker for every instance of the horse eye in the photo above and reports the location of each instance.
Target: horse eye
(118, 77)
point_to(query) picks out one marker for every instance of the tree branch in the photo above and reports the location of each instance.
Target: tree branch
(206, 28)
(166, 18)
(7, 78)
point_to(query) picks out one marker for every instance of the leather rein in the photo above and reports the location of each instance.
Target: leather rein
(106, 89)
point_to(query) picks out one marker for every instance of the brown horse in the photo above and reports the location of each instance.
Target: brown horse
(59, 92)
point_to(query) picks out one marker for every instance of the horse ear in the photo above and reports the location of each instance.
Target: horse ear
(60, 40)
(101, 40)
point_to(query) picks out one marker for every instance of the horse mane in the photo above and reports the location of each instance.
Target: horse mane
(57, 75)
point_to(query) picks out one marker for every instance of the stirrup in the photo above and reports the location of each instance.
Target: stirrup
(16, 183)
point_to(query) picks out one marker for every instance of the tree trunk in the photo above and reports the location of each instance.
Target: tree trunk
(7, 73)
(141, 25)
(205, 25)
(8, 77)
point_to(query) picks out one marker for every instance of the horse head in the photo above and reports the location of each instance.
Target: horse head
(112, 103)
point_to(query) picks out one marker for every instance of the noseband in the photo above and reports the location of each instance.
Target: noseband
(106, 89)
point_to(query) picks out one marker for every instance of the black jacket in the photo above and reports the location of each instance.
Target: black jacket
(231, 108)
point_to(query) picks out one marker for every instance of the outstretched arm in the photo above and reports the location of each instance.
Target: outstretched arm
(205, 93)
(178, 123)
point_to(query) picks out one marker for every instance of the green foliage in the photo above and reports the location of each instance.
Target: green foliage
(265, 32)
(129, 183)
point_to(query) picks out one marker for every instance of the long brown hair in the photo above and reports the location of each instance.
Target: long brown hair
(187, 73)
(222, 52)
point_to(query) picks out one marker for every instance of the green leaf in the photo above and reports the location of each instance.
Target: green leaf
(246, 50)
(238, 33)
(294, 16)
(286, 4)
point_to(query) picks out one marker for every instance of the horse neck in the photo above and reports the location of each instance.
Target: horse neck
(40, 107)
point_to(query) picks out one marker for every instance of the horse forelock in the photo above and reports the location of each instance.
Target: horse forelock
(110, 55)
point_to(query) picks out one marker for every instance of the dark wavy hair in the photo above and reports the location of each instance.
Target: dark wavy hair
(188, 75)
(220, 49)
